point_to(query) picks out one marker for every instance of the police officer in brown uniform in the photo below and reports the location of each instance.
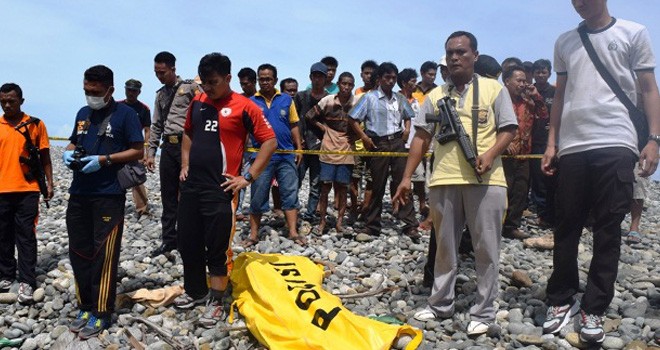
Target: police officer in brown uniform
(172, 101)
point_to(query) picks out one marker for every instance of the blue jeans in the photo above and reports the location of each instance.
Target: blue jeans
(312, 163)
(284, 170)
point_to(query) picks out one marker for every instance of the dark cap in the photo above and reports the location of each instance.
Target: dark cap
(487, 67)
(319, 67)
(133, 84)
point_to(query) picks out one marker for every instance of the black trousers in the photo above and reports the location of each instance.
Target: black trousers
(95, 225)
(543, 187)
(207, 226)
(170, 168)
(598, 181)
(382, 168)
(18, 218)
(517, 181)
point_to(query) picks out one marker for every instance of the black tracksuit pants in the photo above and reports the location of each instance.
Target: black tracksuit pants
(19, 212)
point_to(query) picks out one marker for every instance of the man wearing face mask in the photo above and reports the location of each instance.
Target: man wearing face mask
(106, 135)
(172, 101)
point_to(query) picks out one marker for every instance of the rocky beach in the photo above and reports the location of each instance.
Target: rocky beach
(391, 265)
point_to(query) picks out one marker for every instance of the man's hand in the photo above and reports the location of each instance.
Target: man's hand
(548, 163)
(92, 165)
(368, 143)
(402, 194)
(299, 158)
(234, 183)
(405, 135)
(648, 159)
(484, 162)
(150, 163)
(183, 175)
(50, 191)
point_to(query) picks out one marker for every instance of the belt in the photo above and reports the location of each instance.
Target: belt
(388, 137)
(173, 139)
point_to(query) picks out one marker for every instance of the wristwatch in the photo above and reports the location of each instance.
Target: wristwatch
(248, 177)
(655, 138)
(108, 161)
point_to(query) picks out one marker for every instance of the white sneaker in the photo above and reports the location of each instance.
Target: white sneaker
(5, 285)
(25, 293)
(477, 327)
(424, 315)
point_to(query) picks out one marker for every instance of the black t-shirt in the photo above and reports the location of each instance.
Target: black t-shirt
(312, 135)
(143, 112)
(541, 127)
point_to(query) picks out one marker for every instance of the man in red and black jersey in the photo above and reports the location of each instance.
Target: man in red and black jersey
(215, 131)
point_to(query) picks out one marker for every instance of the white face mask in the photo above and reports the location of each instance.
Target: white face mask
(96, 103)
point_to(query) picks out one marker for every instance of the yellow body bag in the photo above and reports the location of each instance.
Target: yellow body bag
(285, 307)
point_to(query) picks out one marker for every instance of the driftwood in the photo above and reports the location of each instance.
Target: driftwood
(132, 340)
(374, 291)
(165, 335)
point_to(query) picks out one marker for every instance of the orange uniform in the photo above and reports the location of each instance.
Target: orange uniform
(12, 147)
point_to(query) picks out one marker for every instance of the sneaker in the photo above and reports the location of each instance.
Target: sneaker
(25, 293)
(185, 301)
(591, 328)
(558, 316)
(477, 327)
(80, 321)
(213, 314)
(95, 325)
(5, 285)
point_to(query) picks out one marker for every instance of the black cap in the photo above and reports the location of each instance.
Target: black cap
(133, 84)
(319, 67)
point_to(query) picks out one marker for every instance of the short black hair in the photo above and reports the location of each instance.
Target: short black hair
(542, 64)
(427, 66)
(386, 67)
(248, 73)
(369, 64)
(330, 61)
(405, 75)
(100, 74)
(529, 66)
(517, 61)
(165, 57)
(509, 71)
(345, 75)
(487, 66)
(9, 87)
(269, 67)
(214, 62)
(287, 81)
(473, 39)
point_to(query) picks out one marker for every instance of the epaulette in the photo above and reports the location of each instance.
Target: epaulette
(188, 81)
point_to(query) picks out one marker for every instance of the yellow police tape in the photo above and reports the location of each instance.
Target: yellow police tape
(348, 153)
(377, 154)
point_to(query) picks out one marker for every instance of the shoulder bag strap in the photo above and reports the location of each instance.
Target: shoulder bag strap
(475, 111)
(166, 110)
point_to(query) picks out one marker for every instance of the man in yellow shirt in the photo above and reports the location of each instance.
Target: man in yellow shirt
(456, 195)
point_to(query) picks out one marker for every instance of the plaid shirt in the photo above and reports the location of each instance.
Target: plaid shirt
(382, 116)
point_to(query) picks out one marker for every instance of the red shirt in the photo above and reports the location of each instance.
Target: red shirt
(527, 110)
(218, 130)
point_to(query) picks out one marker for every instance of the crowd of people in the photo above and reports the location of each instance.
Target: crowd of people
(585, 130)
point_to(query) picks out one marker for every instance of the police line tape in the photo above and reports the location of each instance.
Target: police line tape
(348, 153)
(377, 153)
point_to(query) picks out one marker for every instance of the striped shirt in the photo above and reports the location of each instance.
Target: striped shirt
(382, 116)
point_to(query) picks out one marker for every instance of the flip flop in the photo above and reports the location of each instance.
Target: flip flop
(633, 237)
(302, 241)
(249, 242)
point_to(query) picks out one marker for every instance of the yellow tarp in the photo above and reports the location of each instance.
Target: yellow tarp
(285, 307)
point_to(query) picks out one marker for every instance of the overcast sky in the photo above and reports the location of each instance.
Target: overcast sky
(47, 45)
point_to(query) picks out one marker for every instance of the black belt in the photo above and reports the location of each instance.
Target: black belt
(173, 138)
(388, 137)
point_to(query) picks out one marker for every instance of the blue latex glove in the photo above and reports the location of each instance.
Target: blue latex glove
(67, 157)
(92, 164)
